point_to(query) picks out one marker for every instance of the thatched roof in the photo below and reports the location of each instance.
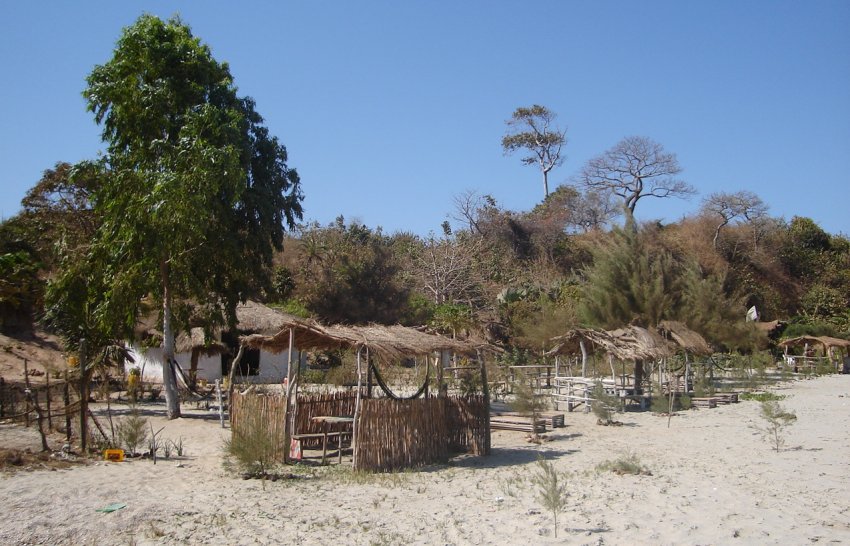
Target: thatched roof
(387, 342)
(630, 343)
(257, 318)
(824, 341)
(685, 338)
(195, 339)
(569, 343)
(636, 343)
(251, 317)
(769, 327)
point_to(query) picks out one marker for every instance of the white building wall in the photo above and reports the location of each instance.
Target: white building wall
(273, 367)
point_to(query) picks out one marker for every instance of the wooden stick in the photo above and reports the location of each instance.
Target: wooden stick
(44, 446)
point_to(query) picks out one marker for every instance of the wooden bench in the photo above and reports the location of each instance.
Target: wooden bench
(704, 402)
(519, 424)
(324, 436)
(553, 419)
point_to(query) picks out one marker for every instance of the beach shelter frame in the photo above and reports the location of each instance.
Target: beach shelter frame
(389, 343)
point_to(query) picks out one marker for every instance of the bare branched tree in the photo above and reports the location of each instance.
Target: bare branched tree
(468, 205)
(532, 129)
(727, 207)
(635, 168)
(445, 267)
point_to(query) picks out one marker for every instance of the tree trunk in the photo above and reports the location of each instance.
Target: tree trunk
(583, 358)
(169, 380)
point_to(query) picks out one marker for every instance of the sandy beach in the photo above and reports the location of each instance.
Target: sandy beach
(714, 480)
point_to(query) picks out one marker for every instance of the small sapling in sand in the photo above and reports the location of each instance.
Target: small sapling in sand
(551, 489)
(776, 420)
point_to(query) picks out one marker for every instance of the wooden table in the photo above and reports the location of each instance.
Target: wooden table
(329, 420)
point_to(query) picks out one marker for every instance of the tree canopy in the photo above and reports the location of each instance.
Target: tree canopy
(196, 194)
(532, 129)
(636, 167)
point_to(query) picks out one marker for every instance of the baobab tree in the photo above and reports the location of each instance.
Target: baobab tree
(532, 129)
(636, 167)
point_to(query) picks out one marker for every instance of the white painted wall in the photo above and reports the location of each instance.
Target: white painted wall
(273, 367)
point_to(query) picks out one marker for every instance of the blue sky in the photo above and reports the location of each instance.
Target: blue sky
(389, 109)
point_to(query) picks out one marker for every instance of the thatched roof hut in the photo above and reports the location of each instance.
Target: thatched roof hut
(386, 342)
(570, 342)
(632, 342)
(685, 338)
(828, 343)
(637, 343)
(251, 317)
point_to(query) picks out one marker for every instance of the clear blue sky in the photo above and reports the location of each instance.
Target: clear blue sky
(390, 108)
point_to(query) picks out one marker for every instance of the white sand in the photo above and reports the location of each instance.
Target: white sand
(714, 480)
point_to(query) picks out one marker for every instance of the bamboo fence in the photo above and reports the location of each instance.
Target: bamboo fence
(395, 434)
(313, 405)
(468, 429)
(259, 410)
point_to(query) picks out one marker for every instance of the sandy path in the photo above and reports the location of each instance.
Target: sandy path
(714, 480)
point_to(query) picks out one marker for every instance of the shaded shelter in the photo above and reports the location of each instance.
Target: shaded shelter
(831, 348)
(388, 343)
(689, 343)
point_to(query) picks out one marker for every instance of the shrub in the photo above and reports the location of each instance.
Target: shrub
(132, 431)
(761, 396)
(604, 405)
(627, 464)
(253, 449)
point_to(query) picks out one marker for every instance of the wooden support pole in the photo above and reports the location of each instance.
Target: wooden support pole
(486, 391)
(219, 401)
(288, 418)
(66, 399)
(49, 417)
(84, 398)
(355, 427)
(33, 396)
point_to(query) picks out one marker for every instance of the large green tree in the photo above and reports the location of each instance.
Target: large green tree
(197, 194)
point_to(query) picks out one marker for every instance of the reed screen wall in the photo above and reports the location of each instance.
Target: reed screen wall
(391, 434)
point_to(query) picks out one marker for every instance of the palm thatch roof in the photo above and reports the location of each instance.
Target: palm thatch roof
(387, 342)
(685, 338)
(824, 341)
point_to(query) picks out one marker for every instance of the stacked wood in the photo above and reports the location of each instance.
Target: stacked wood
(517, 423)
(704, 402)
(552, 419)
(726, 397)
